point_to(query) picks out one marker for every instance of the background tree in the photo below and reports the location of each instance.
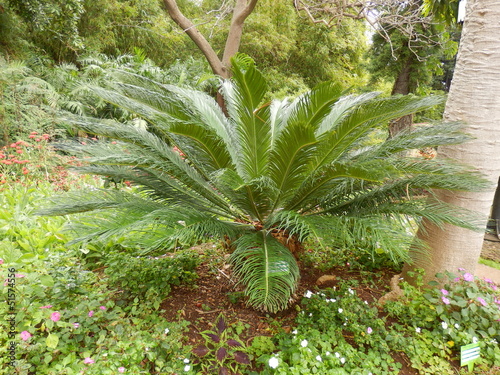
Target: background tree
(410, 59)
(473, 99)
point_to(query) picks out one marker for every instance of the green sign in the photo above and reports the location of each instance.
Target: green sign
(469, 354)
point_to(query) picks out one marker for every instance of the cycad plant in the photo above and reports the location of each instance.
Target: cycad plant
(263, 176)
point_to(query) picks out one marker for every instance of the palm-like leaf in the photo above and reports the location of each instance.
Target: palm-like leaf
(267, 268)
(290, 169)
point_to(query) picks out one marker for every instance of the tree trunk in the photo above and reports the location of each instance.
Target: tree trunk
(474, 99)
(402, 87)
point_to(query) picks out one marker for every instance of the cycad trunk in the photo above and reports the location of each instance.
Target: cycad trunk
(474, 99)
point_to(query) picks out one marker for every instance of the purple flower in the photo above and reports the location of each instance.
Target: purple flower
(369, 330)
(468, 277)
(444, 291)
(91, 313)
(446, 301)
(88, 361)
(55, 316)
(482, 301)
(25, 335)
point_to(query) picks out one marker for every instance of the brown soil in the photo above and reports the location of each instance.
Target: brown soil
(201, 303)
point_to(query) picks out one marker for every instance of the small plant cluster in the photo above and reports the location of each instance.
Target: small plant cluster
(27, 163)
(339, 333)
(69, 323)
(150, 277)
(223, 353)
(459, 310)
(336, 333)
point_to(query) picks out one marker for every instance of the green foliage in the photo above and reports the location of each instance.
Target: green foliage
(336, 333)
(150, 276)
(26, 102)
(64, 313)
(275, 172)
(223, 352)
(463, 311)
(52, 23)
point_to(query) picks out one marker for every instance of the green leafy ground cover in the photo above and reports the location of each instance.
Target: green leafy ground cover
(69, 319)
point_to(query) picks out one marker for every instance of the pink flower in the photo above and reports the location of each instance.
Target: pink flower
(369, 330)
(482, 301)
(121, 369)
(461, 269)
(25, 335)
(55, 316)
(20, 276)
(489, 281)
(444, 291)
(88, 361)
(1, 261)
(446, 301)
(91, 313)
(46, 307)
(456, 279)
(468, 277)
(76, 325)
(102, 307)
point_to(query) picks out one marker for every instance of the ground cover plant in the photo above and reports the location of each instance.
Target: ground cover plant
(261, 176)
(71, 320)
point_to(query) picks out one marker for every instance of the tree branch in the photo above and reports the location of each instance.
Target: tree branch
(195, 35)
(241, 11)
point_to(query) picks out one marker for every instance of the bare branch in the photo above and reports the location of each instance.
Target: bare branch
(195, 35)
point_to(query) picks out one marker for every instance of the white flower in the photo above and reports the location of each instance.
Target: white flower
(303, 343)
(294, 331)
(187, 368)
(351, 291)
(457, 326)
(308, 294)
(340, 310)
(342, 360)
(310, 314)
(444, 325)
(366, 302)
(167, 331)
(418, 329)
(474, 339)
(273, 362)
(186, 360)
(318, 358)
(337, 355)
(327, 353)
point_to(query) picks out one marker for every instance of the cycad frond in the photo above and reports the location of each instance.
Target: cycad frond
(293, 169)
(268, 270)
